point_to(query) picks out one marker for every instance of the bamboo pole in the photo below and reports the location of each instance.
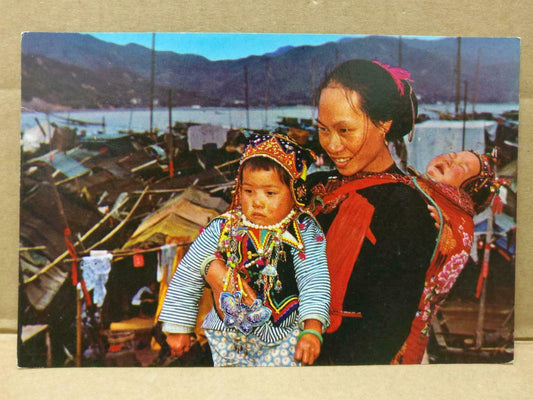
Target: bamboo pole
(32, 248)
(48, 344)
(78, 326)
(119, 226)
(66, 253)
(227, 163)
(178, 190)
(72, 178)
(482, 299)
(127, 252)
(145, 165)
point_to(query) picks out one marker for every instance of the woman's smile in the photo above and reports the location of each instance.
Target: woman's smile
(345, 130)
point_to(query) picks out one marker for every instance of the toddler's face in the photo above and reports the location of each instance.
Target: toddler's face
(453, 168)
(265, 199)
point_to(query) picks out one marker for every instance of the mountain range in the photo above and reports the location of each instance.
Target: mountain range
(72, 70)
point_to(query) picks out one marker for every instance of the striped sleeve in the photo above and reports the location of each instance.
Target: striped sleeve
(312, 275)
(180, 307)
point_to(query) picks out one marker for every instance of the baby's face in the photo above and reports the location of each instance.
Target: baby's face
(453, 168)
(265, 199)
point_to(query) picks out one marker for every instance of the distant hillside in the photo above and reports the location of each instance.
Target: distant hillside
(67, 85)
(79, 70)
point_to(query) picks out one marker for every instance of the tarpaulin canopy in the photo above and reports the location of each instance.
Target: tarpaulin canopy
(200, 135)
(503, 225)
(33, 137)
(64, 163)
(434, 137)
(183, 216)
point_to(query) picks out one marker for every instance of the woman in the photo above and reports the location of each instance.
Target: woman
(381, 237)
(380, 234)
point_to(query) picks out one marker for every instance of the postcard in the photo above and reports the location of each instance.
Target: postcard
(395, 159)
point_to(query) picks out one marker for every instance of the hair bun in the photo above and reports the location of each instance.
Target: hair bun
(405, 114)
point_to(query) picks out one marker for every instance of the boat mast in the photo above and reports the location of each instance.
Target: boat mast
(458, 77)
(400, 51)
(246, 99)
(313, 86)
(476, 82)
(267, 73)
(152, 75)
(170, 137)
(464, 115)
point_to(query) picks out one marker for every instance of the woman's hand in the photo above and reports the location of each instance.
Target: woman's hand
(435, 215)
(308, 347)
(180, 343)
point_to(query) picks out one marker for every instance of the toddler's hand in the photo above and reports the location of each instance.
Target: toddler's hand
(307, 349)
(180, 343)
(215, 278)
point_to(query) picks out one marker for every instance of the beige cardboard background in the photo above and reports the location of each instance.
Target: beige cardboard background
(409, 17)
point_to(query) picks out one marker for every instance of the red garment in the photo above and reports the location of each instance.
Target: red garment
(341, 260)
(451, 255)
(353, 230)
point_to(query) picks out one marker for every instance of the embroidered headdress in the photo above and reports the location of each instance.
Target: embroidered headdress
(483, 186)
(288, 154)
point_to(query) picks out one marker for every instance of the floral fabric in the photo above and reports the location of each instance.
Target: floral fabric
(229, 349)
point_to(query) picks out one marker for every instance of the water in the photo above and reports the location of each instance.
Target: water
(139, 119)
(259, 118)
(495, 108)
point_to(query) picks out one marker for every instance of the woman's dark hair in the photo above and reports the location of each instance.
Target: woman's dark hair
(266, 164)
(379, 94)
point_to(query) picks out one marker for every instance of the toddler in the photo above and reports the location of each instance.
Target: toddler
(274, 305)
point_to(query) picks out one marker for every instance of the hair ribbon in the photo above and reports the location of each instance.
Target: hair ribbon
(397, 73)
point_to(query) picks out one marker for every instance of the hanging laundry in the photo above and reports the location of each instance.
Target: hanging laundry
(136, 300)
(165, 259)
(95, 269)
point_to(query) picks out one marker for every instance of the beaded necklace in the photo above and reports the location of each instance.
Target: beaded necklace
(268, 242)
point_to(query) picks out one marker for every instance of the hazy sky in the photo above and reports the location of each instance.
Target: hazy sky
(219, 46)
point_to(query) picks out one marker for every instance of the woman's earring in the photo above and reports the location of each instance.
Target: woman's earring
(385, 138)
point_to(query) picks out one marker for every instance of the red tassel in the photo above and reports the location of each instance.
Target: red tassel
(497, 205)
(138, 260)
(171, 168)
(74, 274)
(114, 348)
(482, 275)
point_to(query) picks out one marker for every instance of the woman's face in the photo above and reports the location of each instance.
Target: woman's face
(349, 137)
(454, 168)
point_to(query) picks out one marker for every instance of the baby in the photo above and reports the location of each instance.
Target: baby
(456, 186)
(469, 172)
(274, 305)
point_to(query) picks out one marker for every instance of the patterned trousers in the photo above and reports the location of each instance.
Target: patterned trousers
(232, 349)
